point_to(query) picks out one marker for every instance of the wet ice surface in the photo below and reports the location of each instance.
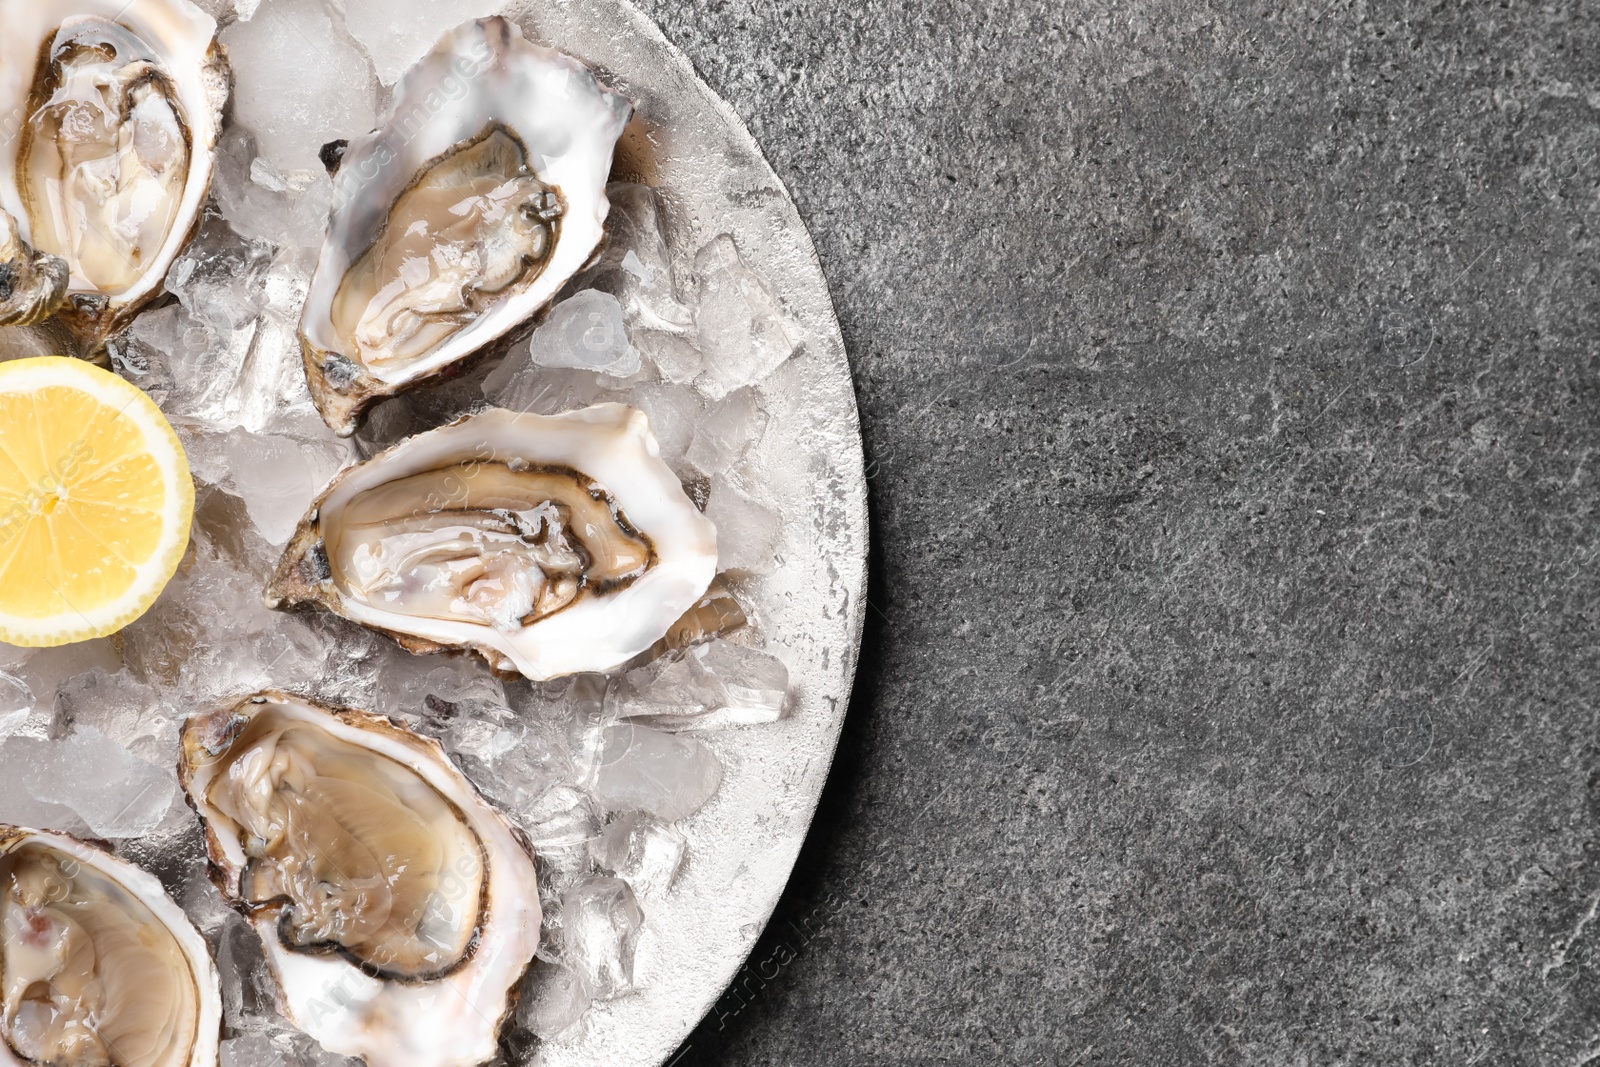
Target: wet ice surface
(297, 82)
(586, 332)
(397, 33)
(603, 774)
(599, 927)
(744, 332)
(641, 850)
(709, 685)
(646, 770)
(16, 704)
(748, 530)
(86, 779)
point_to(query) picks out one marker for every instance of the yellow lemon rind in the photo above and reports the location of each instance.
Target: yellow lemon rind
(164, 448)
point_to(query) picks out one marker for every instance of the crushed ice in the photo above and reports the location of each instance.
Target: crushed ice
(601, 773)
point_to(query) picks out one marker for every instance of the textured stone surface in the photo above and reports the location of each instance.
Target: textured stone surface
(1229, 383)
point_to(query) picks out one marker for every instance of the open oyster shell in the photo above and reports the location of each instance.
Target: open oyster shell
(97, 964)
(397, 909)
(550, 545)
(114, 109)
(459, 218)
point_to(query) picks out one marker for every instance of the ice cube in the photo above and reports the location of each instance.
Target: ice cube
(228, 10)
(516, 764)
(173, 849)
(397, 33)
(302, 1051)
(706, 686)
(123, 708)
(650, 771)
(422, 686)
(113, 792)
(278, 1046)
(16, 704)
(733, 425)
(271, 391)
(481, 741)
(209, 636)
(354, 661)
(210, 376)
(220, 276)
(519, 386)
(743, 330)
(279, 477)
(642, 851)
(599, 928)
(573, 710)
(196, 365)
(586, 332)
(19, 806)
(45, 669)
(202, 901)
(748, 532)
(553, 1001)
(260, 201)
(562, 817)
(674, 356)
(637, 265)
(674, 412)
(298, 83)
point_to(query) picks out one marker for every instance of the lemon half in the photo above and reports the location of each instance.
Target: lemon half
(95, 502)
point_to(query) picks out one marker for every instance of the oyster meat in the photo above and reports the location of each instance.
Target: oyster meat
(398, 910)
(551, 545)
(118, 107)
(97, 965)
(459, 218)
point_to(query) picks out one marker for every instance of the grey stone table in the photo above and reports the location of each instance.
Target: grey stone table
(1230, 376)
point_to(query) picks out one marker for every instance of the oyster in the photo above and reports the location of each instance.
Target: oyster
(459, 218)
(97, 965)
(550, 545)
(118, 106)
(32, 284)
(398, 910)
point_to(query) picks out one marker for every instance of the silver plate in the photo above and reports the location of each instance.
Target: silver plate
(695, 150)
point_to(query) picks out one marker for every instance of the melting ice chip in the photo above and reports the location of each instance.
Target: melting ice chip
(646, 770)
(88, 776)
(745, 333)
(643, 851)
(586, 332)
(298, 82)
(600, 922)
(709, 685)
(16, 704)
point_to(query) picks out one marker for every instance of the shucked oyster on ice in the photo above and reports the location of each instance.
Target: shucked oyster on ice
(550, 545)
(397, 909)
(116, 107)
(97, 965)
(459, 218)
